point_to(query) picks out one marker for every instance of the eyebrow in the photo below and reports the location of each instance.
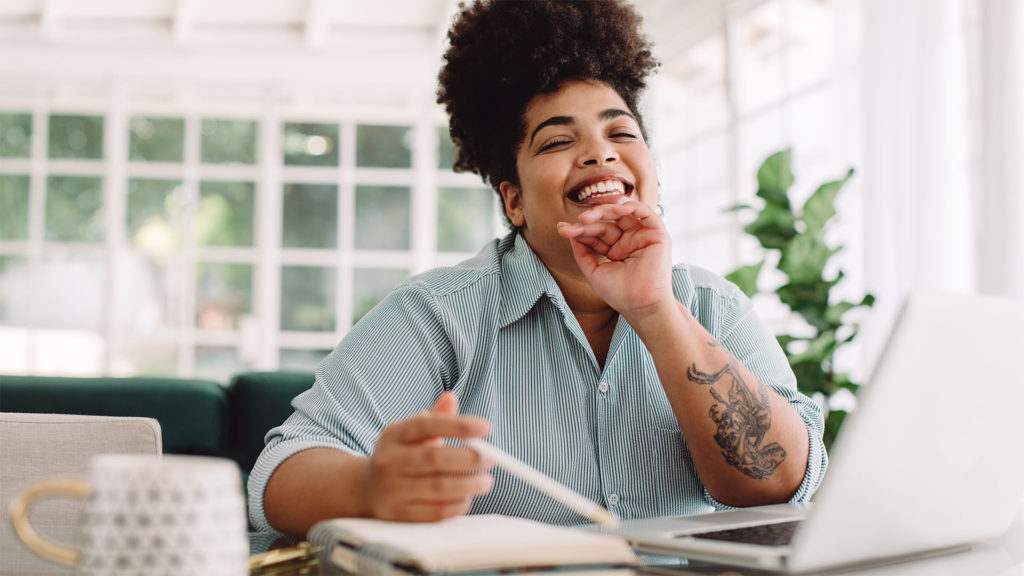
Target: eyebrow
(604, 116)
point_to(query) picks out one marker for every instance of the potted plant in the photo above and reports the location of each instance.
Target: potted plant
(795, 244)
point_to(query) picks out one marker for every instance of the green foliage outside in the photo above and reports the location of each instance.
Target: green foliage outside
(74, 209)
(76, 137)
(803, 255)
(15, 135)
(13, 206)
(462, 218)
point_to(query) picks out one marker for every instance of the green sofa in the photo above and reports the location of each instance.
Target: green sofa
(196, 416)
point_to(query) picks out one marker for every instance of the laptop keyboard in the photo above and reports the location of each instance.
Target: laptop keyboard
(765, 534)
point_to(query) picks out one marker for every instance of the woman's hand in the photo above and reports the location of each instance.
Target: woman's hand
(624, 252)
(413, 476)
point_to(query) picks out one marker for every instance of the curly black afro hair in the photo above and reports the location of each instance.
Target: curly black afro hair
(504, 52)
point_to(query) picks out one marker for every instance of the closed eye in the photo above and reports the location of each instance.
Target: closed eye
(554, 143)
(624, 135)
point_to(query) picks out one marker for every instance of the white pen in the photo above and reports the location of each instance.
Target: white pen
(559, 492)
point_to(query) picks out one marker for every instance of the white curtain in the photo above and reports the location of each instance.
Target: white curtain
(943, 157)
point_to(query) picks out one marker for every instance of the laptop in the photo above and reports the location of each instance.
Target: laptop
(932, 459)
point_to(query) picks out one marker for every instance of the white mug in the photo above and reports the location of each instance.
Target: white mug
(148, 515)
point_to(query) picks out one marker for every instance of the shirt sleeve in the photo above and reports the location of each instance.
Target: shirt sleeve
(393, 363)
(744, 334)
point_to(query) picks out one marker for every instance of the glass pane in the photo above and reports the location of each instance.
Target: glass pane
(14, 291)
(370, 286)
(310, 144)
(77, 137)
(384, 146)
(307, 298)
(69, 352)
(301, 360)
(465, 218)
(15, 135)
(223, 294)
(74, 209)
(13, 207)
(156, 139)
(154, 214)
(218, 363)
(310, 216)
(69, 291)
(229, 142)
(382, 217)
(146, 294)
(761, 55)
(225, 216)
(16, 344)
(145, 357)
(446, 151)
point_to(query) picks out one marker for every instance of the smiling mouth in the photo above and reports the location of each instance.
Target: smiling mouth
(600, 190)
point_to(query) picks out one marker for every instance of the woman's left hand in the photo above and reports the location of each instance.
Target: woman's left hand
(624, 251)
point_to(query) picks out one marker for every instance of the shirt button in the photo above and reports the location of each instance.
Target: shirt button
(602, 387)
(613, 499)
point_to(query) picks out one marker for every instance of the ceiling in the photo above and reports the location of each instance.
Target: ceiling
(376, 45)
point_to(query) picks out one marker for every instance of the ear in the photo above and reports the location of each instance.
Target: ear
(513, 198)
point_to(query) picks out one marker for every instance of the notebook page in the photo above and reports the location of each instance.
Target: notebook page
(484, 541)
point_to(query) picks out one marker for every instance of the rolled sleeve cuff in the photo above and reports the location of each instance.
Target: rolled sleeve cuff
(269, 460)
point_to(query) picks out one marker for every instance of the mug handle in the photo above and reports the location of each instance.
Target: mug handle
(19, 509)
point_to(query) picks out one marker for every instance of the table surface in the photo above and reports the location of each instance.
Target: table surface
(1003, 556)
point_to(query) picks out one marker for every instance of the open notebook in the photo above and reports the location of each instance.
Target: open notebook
(463, 545)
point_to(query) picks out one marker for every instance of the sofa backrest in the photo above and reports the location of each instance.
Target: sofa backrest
(260, 401)
(193, 413)
(196, 416)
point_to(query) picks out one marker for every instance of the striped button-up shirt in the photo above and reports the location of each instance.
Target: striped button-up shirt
(497, 332)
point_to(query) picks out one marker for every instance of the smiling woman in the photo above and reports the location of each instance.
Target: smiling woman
(574, 328)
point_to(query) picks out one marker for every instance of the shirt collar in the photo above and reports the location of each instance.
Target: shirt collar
(524, 279)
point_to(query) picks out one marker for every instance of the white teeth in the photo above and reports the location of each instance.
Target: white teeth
(614, 186)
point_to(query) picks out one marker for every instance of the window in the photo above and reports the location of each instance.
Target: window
(192, 244)
(763, 79)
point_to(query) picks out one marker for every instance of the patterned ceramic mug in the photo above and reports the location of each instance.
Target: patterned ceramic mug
(149, 515)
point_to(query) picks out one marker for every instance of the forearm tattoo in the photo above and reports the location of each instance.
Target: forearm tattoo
(742, 421)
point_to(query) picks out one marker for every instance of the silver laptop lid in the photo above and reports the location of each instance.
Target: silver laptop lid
(934, 455)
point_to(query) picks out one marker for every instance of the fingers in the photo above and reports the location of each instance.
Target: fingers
(430, 424)
(413, 476)
(447, 403)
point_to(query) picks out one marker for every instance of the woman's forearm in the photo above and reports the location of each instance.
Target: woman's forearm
(313, 485)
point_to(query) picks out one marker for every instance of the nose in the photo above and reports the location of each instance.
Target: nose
(598, 154)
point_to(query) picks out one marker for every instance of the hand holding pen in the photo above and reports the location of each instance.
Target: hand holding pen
(412, 476)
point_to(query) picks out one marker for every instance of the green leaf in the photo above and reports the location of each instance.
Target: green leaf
(804, 258)
(817, 349)
(745, 277)
(834, 313)
(810, 377)
(739, 208)
(820, 207)
(810, 300)
(785, 340)
(833, 423)
(773, 227)
(842, 380)
(774, 178)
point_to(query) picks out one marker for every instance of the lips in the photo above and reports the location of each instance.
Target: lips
(600, 191)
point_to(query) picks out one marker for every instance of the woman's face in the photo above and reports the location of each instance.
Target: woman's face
(582, 147)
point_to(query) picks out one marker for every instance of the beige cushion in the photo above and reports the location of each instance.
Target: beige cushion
(39, 446)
